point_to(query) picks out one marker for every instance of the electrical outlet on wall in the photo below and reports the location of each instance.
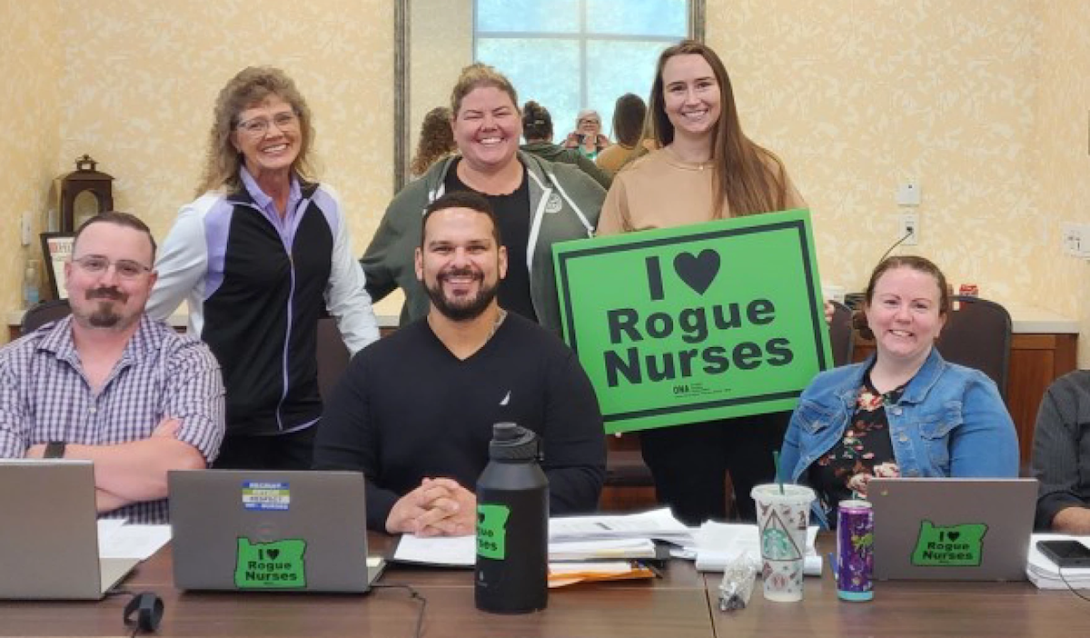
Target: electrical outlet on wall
(1069, 238)
(25, 227)
(908, 193)
(910, 228)
(1075, 239)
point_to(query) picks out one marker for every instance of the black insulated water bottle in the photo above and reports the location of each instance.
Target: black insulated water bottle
(512, 525)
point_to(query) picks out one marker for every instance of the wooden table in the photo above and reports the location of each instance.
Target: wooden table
(909, 610)
(679, 606)
(675, 606)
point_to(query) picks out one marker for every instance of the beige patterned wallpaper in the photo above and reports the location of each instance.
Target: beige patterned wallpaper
(140, 79)
(984, 103)
(442, 43)
(1063, 169)
(29, 129)
(858, 96)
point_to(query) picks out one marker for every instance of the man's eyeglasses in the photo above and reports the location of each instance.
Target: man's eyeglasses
(96, 265)
(258, 126)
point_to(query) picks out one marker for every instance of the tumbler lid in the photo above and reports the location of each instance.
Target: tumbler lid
(510, 442)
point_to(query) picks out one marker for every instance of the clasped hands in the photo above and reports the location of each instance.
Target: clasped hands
(439, 507)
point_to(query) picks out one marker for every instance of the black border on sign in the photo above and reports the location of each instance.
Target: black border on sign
(47, 260)
(815, 319)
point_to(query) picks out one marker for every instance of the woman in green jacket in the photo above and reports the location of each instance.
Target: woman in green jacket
(536, 202)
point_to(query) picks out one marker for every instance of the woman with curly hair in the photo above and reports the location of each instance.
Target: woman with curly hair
(258, 256)
(436, 141)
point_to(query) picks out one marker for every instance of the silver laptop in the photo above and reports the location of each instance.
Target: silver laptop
(267, 530)
(952, 528)
(49, 535)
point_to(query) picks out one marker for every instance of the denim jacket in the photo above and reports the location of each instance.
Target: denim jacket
(950, 421)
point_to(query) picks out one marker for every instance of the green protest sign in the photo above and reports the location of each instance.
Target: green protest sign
(695, 323)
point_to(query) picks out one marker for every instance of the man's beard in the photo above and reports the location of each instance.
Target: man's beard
(464, 308)
(104, 315)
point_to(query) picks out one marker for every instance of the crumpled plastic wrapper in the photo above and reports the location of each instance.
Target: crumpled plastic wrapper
(737, 584)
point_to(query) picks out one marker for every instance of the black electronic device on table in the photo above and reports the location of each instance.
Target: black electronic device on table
(1066, 553)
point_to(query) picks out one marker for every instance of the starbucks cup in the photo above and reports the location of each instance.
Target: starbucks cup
(781, 523)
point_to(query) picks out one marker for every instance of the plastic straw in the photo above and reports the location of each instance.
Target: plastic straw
(776, 463)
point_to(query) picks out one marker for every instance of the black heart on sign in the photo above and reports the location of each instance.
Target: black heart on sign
(273, 553)
(954, 535)
(698, 271)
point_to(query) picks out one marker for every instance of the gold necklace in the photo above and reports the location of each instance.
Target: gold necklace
(496, 324)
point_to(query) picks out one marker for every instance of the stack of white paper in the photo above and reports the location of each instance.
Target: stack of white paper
(118, 540)
(444, 551)
(658, 524)
(1046, 575)
(570, 538)
(461, 551)
(717, 544)
(629, 548)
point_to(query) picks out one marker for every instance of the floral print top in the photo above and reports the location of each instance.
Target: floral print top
(864, 451)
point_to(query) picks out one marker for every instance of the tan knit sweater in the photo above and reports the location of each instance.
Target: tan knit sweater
(661, 191)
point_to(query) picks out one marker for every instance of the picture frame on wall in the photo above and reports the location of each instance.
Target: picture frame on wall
(56, 249)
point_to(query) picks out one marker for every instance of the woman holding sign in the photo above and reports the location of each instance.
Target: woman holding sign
(904, 411)
(705, 169)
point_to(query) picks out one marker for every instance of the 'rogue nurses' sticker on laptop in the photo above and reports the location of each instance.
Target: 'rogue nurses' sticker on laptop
(273, 565)
(264, 495)
(949, 546)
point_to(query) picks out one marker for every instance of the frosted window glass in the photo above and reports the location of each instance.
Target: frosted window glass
(541, 16)
(664, 18)
(618, 67)
(544, 70)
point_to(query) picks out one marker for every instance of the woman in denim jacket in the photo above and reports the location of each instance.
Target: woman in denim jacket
(904, 411)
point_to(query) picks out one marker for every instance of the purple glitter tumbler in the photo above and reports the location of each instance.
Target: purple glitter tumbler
(855, 551)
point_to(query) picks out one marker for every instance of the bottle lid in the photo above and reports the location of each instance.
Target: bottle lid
(513, 443)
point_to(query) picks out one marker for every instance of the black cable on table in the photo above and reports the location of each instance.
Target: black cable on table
(413, 594)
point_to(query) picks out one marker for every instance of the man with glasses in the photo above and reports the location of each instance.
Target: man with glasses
(108, 383)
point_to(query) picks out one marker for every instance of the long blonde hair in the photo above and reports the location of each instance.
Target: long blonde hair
(250, 88)
(751, 178)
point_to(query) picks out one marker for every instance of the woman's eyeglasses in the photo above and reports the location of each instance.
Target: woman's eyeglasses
(259, 126)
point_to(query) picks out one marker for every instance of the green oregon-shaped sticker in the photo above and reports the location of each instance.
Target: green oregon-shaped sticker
(949, 546)
(273, 565)
(492, 530)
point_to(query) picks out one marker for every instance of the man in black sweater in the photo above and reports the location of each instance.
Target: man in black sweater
(414, 412)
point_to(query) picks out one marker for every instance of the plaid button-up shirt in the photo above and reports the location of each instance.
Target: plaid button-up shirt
(44, 396)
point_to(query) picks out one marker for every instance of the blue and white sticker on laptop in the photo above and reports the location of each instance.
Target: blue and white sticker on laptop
(266, 496)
